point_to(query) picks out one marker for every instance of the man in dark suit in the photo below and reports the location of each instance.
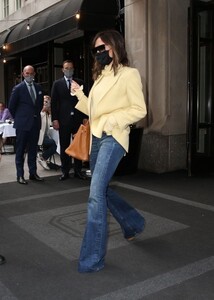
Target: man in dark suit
(25, 105)
(66, 118)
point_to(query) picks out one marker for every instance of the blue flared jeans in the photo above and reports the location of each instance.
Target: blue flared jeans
(105, 156)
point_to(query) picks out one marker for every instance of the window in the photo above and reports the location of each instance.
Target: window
(18, 4)
(6, 8)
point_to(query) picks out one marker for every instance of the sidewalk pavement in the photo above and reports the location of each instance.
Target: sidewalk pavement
(42, 225)
(8, 168)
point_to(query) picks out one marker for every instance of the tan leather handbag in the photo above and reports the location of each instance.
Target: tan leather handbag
(79, 147)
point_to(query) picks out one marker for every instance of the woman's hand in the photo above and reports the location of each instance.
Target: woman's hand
(74, 87)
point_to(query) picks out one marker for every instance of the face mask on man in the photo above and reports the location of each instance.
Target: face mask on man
(103, 58)
(68, 73)
(29, 78)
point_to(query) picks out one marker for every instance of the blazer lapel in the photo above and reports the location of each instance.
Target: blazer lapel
(107, 87)
(37, 91)
(64, 83)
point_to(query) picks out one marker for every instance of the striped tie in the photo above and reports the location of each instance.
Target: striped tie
(32, 93)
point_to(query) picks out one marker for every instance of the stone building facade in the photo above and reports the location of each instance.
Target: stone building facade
(156, 34)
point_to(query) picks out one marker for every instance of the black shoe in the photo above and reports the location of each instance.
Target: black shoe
(80, 175)
(21, 180)
(35, 177)
(64, 176)
(2, 260)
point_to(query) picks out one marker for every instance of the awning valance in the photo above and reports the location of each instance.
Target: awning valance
(60, 20)
(3, 37)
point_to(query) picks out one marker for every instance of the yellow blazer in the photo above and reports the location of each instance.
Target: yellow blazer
(119, 103)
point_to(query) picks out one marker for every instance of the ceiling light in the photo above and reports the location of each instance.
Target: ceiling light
(28, 25)
(77, 15)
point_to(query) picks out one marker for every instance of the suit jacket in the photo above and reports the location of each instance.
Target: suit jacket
(22, 107)
(63, 104)
(118, 102)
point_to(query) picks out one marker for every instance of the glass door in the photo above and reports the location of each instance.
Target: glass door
(200, 140)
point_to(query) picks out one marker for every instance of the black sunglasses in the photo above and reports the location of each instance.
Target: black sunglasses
(98, 49)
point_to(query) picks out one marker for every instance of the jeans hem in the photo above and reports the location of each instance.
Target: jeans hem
(88, 270)
(136, 233)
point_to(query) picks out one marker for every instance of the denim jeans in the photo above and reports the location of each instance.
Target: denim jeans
(49, 147)
(105, 156)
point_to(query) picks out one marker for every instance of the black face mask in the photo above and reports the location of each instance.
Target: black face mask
(103, 58)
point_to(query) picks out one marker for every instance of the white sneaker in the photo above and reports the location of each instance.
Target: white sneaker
(43, 162)
(39, 156)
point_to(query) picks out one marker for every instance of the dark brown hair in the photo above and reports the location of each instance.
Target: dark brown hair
(116, 41)
(67, 61)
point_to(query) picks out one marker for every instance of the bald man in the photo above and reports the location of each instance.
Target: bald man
(25, 105)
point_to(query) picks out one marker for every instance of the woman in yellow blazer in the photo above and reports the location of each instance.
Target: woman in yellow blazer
(114, 103)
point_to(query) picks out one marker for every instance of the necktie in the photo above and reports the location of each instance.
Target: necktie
(32, 93)
(69, 84)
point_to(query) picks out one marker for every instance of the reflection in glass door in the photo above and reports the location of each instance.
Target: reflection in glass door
(201, 82)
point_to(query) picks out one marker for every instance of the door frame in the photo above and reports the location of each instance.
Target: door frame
(196, 161)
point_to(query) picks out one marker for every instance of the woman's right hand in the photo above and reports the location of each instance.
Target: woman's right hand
(74, 87)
